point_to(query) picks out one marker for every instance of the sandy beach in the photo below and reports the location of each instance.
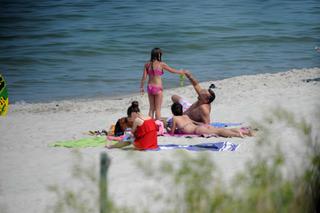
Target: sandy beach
(28, 165)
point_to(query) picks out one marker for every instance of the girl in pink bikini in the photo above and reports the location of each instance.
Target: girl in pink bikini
(154, 69)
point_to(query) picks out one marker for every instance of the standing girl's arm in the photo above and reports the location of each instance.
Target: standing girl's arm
(170, 69)
(144, 77)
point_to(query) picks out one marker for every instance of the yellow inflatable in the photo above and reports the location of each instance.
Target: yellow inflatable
(4, 99)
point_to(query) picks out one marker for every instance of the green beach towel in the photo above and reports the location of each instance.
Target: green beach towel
(81, 143)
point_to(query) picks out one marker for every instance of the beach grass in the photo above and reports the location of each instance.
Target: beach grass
(196, 184)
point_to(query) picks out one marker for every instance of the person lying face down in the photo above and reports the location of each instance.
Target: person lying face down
(200, 110)
(122, 124)
(183, 124)
(144, 130)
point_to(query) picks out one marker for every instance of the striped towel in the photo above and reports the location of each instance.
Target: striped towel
(218, 146)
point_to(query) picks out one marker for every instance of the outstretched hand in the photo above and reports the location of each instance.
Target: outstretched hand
(187, 73)
(182, 72)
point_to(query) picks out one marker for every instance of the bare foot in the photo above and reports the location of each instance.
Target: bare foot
(241, 133)
(247, 131)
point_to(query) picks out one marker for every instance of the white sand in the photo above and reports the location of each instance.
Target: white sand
(28, 165)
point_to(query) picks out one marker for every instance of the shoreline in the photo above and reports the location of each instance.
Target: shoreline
(120, 97)
(62, 102)
(28, 165)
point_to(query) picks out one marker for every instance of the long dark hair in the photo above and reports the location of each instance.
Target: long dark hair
(133, 108)
(177, 109)
(156, 54)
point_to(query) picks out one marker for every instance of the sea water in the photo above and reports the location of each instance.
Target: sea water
(66, 49)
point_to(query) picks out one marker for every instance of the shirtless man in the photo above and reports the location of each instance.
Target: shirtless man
(200, 110)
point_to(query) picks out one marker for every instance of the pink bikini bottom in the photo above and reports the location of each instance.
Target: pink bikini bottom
(154, 89)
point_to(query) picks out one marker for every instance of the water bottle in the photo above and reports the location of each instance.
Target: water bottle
(182, 77)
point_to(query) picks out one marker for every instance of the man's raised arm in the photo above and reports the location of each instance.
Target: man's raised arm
(194, 82)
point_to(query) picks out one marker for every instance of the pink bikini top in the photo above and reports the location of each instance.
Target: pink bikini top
(154, 72)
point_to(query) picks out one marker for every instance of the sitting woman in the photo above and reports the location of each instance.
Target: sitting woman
(183, 124)
(144, 130)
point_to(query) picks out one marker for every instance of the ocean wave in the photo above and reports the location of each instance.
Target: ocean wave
(82, 52)
(267, 39)
(34, 36)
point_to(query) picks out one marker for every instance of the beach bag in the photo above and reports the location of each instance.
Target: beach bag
(160, 127)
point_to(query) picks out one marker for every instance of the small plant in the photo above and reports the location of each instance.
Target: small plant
(82, 193)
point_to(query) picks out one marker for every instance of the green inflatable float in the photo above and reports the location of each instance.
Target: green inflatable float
(4, 99)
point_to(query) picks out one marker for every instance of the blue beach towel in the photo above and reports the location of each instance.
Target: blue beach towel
(218, 146)
(221, 124)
